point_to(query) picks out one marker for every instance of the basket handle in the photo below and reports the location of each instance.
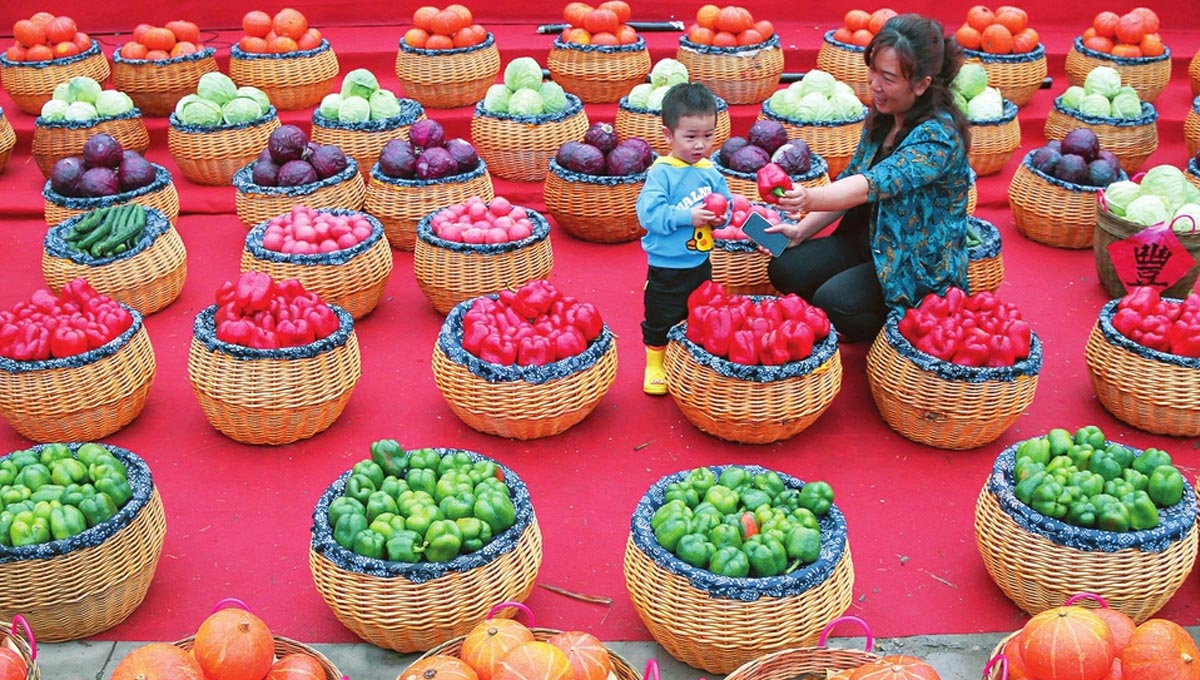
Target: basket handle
(651, 670)
(18, 619)
(844, 619)
(1085, 596)
(998, 660)
(1180, 217)
(230, 601)
(516, 605)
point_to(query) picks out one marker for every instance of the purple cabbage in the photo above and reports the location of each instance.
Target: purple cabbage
(327, 161)
(602, 136)
(135, 172)
(398, 159)
(463, 153)
(102, 150)
(749, 159)
(794, 157)
(287, 143)
(65, 176)
(426, 133)
(435, 162)
(99, 181)
(1082, 142)
(730, 147)
(265, 173)
(297, 172)
(768, 134)
(583, 158)
(625, 160)
(1072, 168)
(643, 148)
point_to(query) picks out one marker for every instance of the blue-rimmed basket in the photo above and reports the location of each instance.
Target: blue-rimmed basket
(8, 139)
(751, 404)
(718, 623)
(519, 148)
(291, 80)
(972, 195)
(159, 194)
(147, 277)
(1193, 172)
(597, 208)
(76, 587)
(985, 262)
(833, 141)
(1148, 75)
(351, 278)
(942, 404)
(273, 396)
(415, 607)
(520, 402)
(365, 141)
(156, 85)
(448, 79)
(1039, 561)
(211, 155)
(1050, 211)
(54, 140)
(399, 204)
(1191, 127)
(1111, 228)
(746, 74)
(256, 203)
(31, 83)
(17, 636)
(746, 183)
(1017, 76)
(449, 272)
(598, 73)
(1132, 140)
(845, 62)
(632, 121)
(82, 397)
(1151, 390)
(739, 266)
(994, 141)
(1194, 74)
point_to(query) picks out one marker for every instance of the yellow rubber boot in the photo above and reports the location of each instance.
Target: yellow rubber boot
(655, 381)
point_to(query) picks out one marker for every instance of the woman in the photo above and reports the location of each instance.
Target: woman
(902, 200)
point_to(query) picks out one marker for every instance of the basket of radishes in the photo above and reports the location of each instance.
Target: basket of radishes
(478, 247)
(737, 263)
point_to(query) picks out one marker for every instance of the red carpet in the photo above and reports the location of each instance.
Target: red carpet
(239, 516)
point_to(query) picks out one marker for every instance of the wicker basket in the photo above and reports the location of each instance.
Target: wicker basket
(597, 208)
(972, 196)
(83, 397)
(1017, 76)
(1151, 390)
(31, 83)
(718, 623)
(147, 277)
(985, 262)
(751, 404)
(365, 141)
(23, 643)
(76, 587)
(945, 405)
(292, 80)
(1025, 552)
(273, 396)
(994, 141)
(159, 194)
(804, 662)
(155, 86)
(1132, 140)
(1050, 211)
(519, 148)
(212, 155)
(1148, 75)
(598, 73)
(520, 402)
(1193, 173)
(746, 183)
(415, 607)
(845, 62)
(448, 79)
(1194, 74)
(632, 121)
(56, 140)
(1191, 128)
(8, 139)
(399, 204)
(739, 75)
(283, 647)
(835, 142)
(449, 272)
(352, 278)
(741, 267)
(256, 203)
(1110, 229)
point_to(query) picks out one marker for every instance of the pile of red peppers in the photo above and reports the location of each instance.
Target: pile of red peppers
(257, 312)
(532, 326)
(49, 327)
(767, 332)
(1163, 325)
(971, 330)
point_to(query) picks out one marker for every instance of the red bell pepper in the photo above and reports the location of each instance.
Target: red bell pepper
(44, 300)
(32, 344)
(771, 310)
(707, 293)
(535, 298)
(97, 334)
(773, 182)
(79, 291)
(983, 301)
(743, 348)
(1001, 351)
(290, 289)
(1126, 321)
(697, 324)
(534, 350)
(475, 331)
(497, 349)
(720, 331)
(225, 294)
(799, 338)
(294, 333)
(569, 342)
(915, 323)
(322, 319)
(66, 340)
(1152, 332)
(1184, 338)
(942, 341)
(972, 349)
(1021, 336)
(1140, 299)
(261, 338)
(253, 290)
(773, 348)
(264, 320)
(956, 298)
(818, 321)
(235, 331)
(757, 325)
(793, 306)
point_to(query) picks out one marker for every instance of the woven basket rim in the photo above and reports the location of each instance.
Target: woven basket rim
(822, 352)
(64, 124)
(55, 245)
(76, 360)
(202, 53)
(574, 106)
(203, 330)
(1009, 115)
(1036, 53)
(828, 37)
(1027, 162)
(990, 239)
(174, 121)
(410, 112)
(1078, 45)
(1149, 116)
(254, 242)
(638, 46)
(243, 182)
(541, 231)
(771, 114)
(949, 371)
(817, 166)
(162, 177)
(599, 180)
(1193, 167)
(414, 183)
(1133, 227)
(623, 103)
(488, 41)
(236, 52)
(1115, 337)
(188, 642)
(771, 43)
(92, 50)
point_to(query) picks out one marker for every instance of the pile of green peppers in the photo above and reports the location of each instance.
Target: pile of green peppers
(409, 506)
(741, 524)
(53, 494)
(1083, 480)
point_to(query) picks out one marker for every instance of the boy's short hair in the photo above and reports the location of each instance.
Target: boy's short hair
(687, 99)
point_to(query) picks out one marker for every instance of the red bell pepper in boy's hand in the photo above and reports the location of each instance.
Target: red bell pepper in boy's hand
(717, 204)
(773, 182)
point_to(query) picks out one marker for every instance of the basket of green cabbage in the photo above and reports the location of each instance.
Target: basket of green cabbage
(639, 113)
(156, 85)
(1017, 76)
(824, 112)
(78, 109)
(1125, 125)
(362, 117)
(995, 132)
(219, 128)
(448, 79)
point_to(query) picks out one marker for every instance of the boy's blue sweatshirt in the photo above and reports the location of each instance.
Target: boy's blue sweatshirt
(664, 209)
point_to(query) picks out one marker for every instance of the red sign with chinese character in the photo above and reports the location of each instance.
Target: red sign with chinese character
(1151, 257)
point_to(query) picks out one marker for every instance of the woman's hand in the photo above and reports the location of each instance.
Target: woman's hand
(795, 201)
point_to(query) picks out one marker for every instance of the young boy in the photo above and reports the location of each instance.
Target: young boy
(678, 225)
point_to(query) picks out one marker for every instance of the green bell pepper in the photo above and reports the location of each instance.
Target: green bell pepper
(347, 529)
(1088, 483)
(453, 483)
(75, 493)
(767, 556)
(1150, 459)
(475, 533)
(33, 476)
(443, 540)
(497, 510)
(106, 470)
(724, 535)
(117, 489)
(44, 509)
(1082, 513)
(804, 544)
(1062, 462)
(390, 457)
(1106, 464)
(27, 529)
(1026, 469)
(753, 498)
(66, 522)
(1111, 513)
(734, 477)
(422, 479)
(766, 513)
(723, 498)
(491, 484)
(729, 561)
(483, 470)
(343, 505)
(393, 486)
(1122, 453)
(805, 518)
(1143, 514)
(701, 479)
(1090, 435)
(371, 470)
(1060, 441)
(424, 459)
(459, 505)
(1047, 499)
(49, 492)
(387, 524)
(1137, 479)
(405, 546)
(459, 461)
(817, 496)
(409, 500)
(788, 499)
(684, 492)
(379, 503)
(672, 530)
(89, 452)
(68, 471)
(1081, 456)
(370, 544)
(771, 482)
(6, 521)
(667, 510)
(1035, 450)
(422, 517)
(1118, 487)
(8, 472)
(695, 549)
(14, 494)
(360, 487)
(53, 452)
(1166, 486)
(705, 517)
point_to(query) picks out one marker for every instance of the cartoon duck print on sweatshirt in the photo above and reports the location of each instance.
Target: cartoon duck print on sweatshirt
(702, 239)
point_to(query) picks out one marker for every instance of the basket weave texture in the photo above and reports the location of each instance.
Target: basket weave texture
(1191, 127)
(621, 668)
(8, 139)
(76, 587)
(985, 263)
(945, 405)
(256, 203)
(993, 142)
(80, 398)
(519, 148)
(283, 647)
(845, 63)
(14, 638)
(292, 80)
(56, 140)
(415, 607)
(31, 83)
(159, 194)
(1024, 552)
(751, 404)
(835, 142)
(1193, 173)
(1148, 75)
(1110, 229)
(147, 277)
(1132, 140)
(212, 155)
(447, 79)
(632, 121)
(741, 267)
(399, 204)
(520, 402)
(717, 623)
(788, 664)
(1151, 390)
(598, 73)
(1051, 211)
(740, 75)
(597, 208)
(155, 86)
(365, 141)
(1017, 76)
(273, 396)
(1194, 74)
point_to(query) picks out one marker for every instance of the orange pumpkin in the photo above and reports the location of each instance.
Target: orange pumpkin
(439, 667)
(588, 656)
(534, 661)
(1067, 643)
(234, 644)
(12, 666)
(296, 666)
(896, 667)
(158, 661)
(1016, 665)
(489, 641)
(1160, 650)
(1119, 624)
(1116, 672)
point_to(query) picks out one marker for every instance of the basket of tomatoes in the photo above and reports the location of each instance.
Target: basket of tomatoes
(161, 64)
(598, 56)
(739, 59)
(296, 68)
(1129, 43)
(1007, 47)
(446, 60)
(48, 50)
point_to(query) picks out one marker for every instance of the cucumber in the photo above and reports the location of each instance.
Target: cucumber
(89, 222)
(95, 235)
(131, 220)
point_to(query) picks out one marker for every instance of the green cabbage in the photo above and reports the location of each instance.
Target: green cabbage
(523, 72)
(846, 105)
(1096, 104)
(960, 100)
(1147, 210)
(240, 110)
(62, 92)
(496, 98)
(184, 101)
(1127, 89)
(1126, 105)
(1072, 97)
(82, 89)
(359, 83)
(1167, 182)
(55, 109)
(668, 72)
(384, 104)
(554, 98)
(783, 102)
(1103, 80)
(330, 104)
(525, 102)
(818, 81)
(201, 111)
(80, 111)
(216, 87)
(655, 99)
(639, 94)
(840, 87)
(814, 107)
(988, 105)
(1120, 194)
(1184, 225)
(113, 103)
(970, 81)
(354, 110)
(257, 95)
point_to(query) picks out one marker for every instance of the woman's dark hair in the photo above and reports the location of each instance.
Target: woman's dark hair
(923, 49)
(687, 99)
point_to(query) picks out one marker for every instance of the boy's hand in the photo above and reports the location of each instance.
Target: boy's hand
(702, 216)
